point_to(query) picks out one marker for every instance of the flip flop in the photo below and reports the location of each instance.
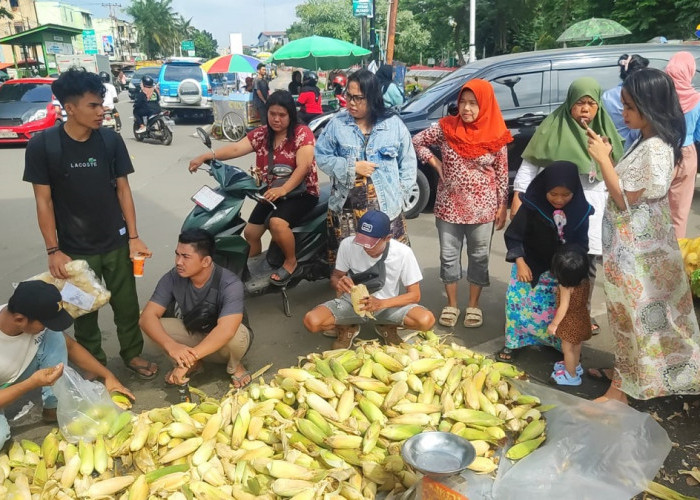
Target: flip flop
(473, 317)
(595, 327)
(239, 380)
(144, 372)
(599, 373)
(449, 316)
(506, 355)
(284, 276)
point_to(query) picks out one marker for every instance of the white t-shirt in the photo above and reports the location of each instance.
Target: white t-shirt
(401, 265)
(17, 352)
(110, 96)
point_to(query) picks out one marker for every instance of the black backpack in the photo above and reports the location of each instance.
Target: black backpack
(52, 146)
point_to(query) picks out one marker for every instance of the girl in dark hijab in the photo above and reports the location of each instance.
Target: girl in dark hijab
(554, 212)
(391, 93)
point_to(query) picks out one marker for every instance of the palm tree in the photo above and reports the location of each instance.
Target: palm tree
(156, 25)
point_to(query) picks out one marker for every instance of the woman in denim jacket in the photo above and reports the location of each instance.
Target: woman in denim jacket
(366, 151)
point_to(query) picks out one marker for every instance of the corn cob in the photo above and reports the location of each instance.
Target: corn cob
(49, 450)
(533, 430)
(322, 406)
(87, 457)
(181, 450)
(344, 441)
(289, 487)
(399, 432)
(482, 465)
(477, 417)
(109, 486)
(524, 448)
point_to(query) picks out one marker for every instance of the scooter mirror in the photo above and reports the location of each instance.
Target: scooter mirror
(204, 137)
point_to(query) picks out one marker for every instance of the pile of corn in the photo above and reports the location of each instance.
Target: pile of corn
(690, 250)
(330, 429)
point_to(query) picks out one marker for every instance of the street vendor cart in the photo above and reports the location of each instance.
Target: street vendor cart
(234, 115)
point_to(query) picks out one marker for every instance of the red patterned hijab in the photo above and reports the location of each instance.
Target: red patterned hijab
(487, 134)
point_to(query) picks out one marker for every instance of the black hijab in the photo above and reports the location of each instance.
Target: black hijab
(385, 76)
(559, 174)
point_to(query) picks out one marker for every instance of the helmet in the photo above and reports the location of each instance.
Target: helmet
(340, 80)
(311, 77)
(147, 82)
(104, 76)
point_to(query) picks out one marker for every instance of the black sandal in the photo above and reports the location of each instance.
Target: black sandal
(284, 276)
(506, 355)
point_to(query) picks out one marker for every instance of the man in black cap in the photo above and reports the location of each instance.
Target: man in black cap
(34, 349)
(384, 267)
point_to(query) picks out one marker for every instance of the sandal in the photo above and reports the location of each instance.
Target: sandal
(144, 372)
(600, 374)
(473, 317)
(506, 355)
(237, 380)
(284, 276)
(595, 327)
(449, 316)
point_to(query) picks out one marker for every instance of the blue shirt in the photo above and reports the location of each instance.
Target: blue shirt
(389, 146)
(692, 126)
(612, 101)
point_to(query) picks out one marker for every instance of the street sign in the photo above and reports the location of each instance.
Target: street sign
(362, 8)
(89, 42)
(187, 45)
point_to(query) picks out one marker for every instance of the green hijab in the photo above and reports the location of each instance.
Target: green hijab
(559, 137)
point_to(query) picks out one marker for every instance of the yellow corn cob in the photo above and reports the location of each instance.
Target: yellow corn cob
(204, 490)
(318, 387)
(181, 450)
(447, 401)
(281, 469)
(320, 422)
(100, 455)
(322, 406)
(369, 440)
(273, 393)
(426, 396)
(323, 367)
(374, 397)
(41, 475)
(212, 426)
(482, 465)
(179, 430)
(289, 487)
(527, 400)
(338, 369)
(108, 487)
(368, 384)
(345, 404)
(371, 410)
(425, 365)
(524, 448)
(481, 447)
(311, 431)
(119, 423)
(170, 482)
(475, 434)
(344, 441)
(204, 452)
(387, 361)
(70, 471)
(381, 373)
(240, 426)
(533, 430)
(294, 373)
(211, 474)
(49, 449)
(87, 457)
(399, 432)
(163, 415)
(164, 471)
(395, 394)
(417, 408)
(476, 417)
(28, 445)
(411, 419)
(352, 364)
(486, 405)
(139, 489)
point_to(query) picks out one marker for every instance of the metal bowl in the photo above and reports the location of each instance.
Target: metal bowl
(438, 454)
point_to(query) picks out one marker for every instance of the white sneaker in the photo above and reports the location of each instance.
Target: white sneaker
(141, 129)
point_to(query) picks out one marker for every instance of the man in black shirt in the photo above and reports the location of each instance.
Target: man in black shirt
(261, 91)
(86, 211)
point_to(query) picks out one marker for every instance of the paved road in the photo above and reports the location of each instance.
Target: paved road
(162, 188)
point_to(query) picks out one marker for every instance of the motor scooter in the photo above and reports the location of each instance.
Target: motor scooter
(218, 212)
(110, 121)
(160, 128)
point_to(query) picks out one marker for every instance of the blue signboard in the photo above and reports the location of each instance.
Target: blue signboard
(89, 42)
(362, 8)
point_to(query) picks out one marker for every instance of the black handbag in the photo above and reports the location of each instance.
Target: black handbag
(373, 277)
(203, 317)
(278, 175)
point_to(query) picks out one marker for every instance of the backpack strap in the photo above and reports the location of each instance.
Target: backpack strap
(109, 138)
(52, 147)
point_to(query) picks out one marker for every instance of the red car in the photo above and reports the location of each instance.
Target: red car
(27, 106)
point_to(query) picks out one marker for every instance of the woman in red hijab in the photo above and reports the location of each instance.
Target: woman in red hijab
(472, 191)
(681, 69)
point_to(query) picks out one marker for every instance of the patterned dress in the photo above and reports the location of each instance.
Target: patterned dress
(650, 308)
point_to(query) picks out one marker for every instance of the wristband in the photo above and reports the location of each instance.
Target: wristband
(52, 251)
(134, 237)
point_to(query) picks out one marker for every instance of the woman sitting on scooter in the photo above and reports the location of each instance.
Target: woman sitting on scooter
(292, 145)
(310, 98)
(147, 103)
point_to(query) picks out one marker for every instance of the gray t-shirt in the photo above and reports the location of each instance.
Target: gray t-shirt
(174, 288)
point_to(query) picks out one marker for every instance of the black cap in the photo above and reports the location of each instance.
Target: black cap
(40, 301)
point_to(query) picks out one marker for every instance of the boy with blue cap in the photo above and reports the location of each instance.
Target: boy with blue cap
(383, 266)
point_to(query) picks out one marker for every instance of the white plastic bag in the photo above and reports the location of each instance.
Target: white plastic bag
(82, 292)
(593, 451)
(85, 409)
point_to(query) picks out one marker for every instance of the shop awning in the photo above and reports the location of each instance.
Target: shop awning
(35, 36)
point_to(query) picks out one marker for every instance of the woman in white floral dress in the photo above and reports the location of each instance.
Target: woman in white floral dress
(650, 308)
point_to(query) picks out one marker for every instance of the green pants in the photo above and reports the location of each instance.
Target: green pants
(116, 269)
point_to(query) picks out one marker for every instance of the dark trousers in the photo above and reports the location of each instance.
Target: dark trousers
(116, 269)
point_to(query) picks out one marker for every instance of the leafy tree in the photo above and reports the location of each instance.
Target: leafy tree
(331, 18)
(158, 27)
(204, 44)
(411, 39)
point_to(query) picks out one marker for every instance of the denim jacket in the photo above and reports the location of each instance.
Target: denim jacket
(389, 146)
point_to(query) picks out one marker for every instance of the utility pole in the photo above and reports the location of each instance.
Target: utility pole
(373, 32)
(472, 31)
(118, 52)
(391, 30)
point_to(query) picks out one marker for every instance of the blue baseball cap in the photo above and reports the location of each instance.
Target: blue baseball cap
(372, 227)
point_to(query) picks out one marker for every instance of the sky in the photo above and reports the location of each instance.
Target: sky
(220, 17)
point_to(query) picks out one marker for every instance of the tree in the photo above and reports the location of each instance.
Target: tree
(411, 39)
(331, 18)
(204, 44)
(157, 26)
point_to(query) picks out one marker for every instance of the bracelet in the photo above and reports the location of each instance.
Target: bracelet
(134, 237)
(52, 250)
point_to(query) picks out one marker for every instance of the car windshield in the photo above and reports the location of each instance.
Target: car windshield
(25, 92)
(433, 93)
(178, 73)
(140, 73)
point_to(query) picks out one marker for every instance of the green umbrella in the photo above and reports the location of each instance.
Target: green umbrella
(319, 52)
(593, 28)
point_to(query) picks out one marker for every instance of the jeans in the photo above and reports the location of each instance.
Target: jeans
(452, 237)
(116, 269)
(52, 351)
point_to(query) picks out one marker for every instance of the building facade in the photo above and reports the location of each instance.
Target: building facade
(23, 18)
(64, 14)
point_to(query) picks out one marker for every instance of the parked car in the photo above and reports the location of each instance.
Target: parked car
(27, 106)
(135, 82)
(185, 90)
(528, 86)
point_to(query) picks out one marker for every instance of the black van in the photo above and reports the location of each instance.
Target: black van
(528, 86)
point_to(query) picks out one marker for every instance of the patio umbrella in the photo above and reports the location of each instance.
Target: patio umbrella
(319, 52)
(593, 28)
(263, 56)
(231, 63)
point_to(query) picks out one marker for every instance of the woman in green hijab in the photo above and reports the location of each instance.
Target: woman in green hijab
(562, 136)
